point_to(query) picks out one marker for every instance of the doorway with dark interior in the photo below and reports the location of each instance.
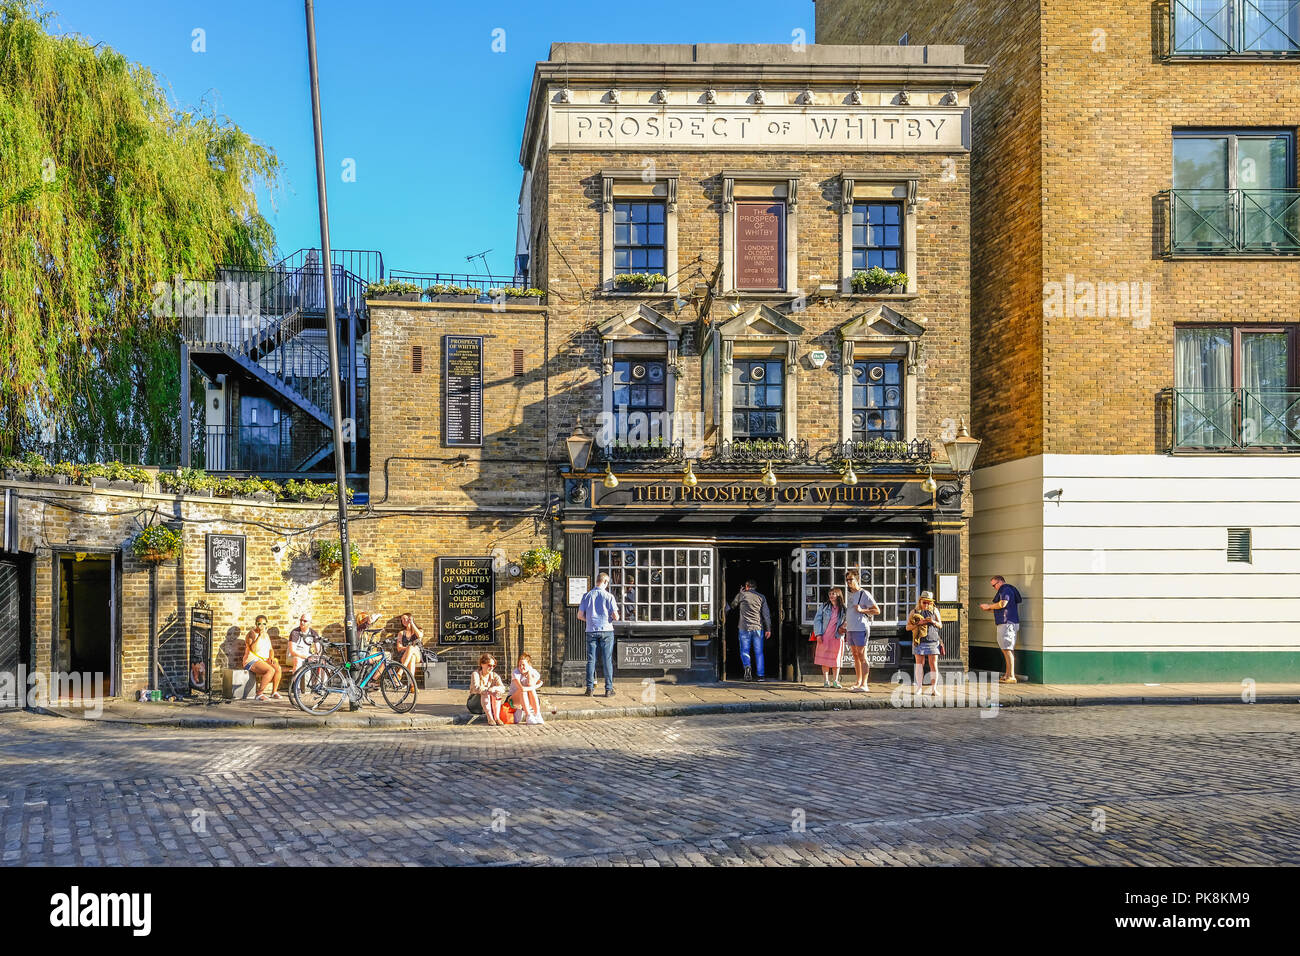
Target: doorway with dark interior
(764, 568)
(86, 622)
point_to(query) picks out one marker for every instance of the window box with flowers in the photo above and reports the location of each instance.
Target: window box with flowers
(513, 295)
(878, 281)
(640, 282)
(452, 293)
(401, 291)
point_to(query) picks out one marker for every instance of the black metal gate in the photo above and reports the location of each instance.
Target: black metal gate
(11, 635)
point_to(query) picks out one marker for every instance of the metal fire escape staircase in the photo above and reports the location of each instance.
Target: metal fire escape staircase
(261, 334)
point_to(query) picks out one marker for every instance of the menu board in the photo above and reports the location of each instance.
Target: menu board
(466, 601)
(225, 561)
(462, 405)
(653, 655)
(759, 228)
(201, 648)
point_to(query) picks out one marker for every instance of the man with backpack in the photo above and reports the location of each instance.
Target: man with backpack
(1006, 614)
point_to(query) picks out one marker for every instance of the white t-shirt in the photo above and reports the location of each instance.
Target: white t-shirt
(529, 674)
(859, 601)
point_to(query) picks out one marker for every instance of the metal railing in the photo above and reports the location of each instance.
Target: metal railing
(1233, 28)
(1234, 221)
(258, 449)
(1230, 419)
(464, 280)
(885, 450)
(93, 451)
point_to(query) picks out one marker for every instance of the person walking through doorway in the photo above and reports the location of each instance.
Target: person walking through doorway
(860, 608)
(1006, 615)
(598, 611)
(754, 627)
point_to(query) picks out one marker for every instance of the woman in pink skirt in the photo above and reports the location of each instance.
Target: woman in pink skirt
(826, 632)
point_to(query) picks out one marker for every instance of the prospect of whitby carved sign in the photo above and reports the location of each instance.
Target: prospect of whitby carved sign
(753, 495)
(857, 128)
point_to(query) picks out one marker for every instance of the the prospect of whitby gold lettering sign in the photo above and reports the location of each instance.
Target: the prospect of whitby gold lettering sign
(857, 128)
(754, 496)
(466, 601)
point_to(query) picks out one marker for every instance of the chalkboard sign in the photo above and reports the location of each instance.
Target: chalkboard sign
(882, 652)
(201, 649)
(462, 378)
(466, 601)
(634, 655)
(225, 562)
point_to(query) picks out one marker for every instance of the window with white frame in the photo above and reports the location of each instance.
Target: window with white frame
(660, 584)
(891, 574)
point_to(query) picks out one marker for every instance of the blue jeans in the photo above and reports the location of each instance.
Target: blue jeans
(604, 640)
(754, 638)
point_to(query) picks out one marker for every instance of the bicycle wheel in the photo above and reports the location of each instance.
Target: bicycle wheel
(318, 688)
(397, 686)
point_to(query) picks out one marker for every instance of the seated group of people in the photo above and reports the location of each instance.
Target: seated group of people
(304, 640)
(487, 693)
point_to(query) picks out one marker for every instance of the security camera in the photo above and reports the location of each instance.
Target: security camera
(275, 549)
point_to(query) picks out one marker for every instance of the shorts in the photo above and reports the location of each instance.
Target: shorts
(1007, 636)
(926, 649)
(856, 638)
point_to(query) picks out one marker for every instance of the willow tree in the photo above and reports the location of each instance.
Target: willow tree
(106, 189)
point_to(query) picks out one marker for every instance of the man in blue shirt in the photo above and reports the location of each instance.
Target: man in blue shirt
(1006, 614)
(598, 610)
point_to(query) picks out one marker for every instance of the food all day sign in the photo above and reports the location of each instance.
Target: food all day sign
(466, 601)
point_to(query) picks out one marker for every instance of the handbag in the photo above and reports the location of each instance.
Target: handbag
(474, 705)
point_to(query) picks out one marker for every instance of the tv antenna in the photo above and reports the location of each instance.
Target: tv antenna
(481, 255)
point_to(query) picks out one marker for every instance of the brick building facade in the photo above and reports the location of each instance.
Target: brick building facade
(796, 415)
(1136, 233)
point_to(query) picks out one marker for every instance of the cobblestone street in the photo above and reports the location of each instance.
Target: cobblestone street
(1103, 785)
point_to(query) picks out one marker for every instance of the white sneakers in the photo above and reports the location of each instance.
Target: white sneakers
(536, 719)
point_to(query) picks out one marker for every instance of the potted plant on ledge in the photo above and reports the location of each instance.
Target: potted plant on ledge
(156, 544)
(640, 282)
(513, 295)
(401, 291)
(878, 281)
(452, 293)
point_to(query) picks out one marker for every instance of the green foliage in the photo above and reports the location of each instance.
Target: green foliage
(638, 281)
(329, 554)
(877, 279)
(436, 290)
(514, 292)
(106, 190)
(543, 561)
(391, 288)
(295, 490)
(771, 447)
(34, 467)
(157, 543)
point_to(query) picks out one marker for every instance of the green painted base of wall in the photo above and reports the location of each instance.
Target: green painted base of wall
(1144, 667)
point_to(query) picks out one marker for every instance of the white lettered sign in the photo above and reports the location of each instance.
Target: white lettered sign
(944, 129)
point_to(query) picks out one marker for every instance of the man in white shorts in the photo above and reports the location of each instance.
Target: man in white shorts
(1006, 614)
(861, 607)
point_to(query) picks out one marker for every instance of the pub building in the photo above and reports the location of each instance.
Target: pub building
(750, 402)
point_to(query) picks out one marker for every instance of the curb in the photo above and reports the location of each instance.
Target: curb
(356, 721)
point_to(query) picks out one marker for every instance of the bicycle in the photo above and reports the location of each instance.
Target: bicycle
(320, 687)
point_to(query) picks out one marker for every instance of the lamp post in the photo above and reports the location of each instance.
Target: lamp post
(578, 445)
(961, 453)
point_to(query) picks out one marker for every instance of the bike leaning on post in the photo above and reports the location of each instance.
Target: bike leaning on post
(321, 686)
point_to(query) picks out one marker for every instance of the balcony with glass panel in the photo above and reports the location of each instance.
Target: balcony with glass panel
(1200, 29)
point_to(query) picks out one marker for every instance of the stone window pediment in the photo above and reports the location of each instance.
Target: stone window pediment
(880, 333)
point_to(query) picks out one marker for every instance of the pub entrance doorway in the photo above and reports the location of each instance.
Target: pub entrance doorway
(85, 639)
(769, 569)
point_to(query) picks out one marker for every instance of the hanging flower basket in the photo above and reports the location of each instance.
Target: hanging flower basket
(156, 544)
(540, 562)
(329, 555)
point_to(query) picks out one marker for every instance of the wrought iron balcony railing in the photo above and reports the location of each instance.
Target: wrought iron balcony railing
(1236, 419)
(883, 450)
(1234, 221)
(1233, 28)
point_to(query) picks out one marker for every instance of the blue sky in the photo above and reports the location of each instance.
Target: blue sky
(411, 91)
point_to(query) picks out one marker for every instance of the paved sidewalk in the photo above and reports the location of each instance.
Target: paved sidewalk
(633, 699)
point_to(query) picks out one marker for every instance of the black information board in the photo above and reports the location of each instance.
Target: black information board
(882, 651)
(634, 654)
(201, 649)
(466, 601)
(462, 377)
(225, 563)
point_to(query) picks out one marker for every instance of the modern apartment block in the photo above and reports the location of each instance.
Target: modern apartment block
(1135, 325)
